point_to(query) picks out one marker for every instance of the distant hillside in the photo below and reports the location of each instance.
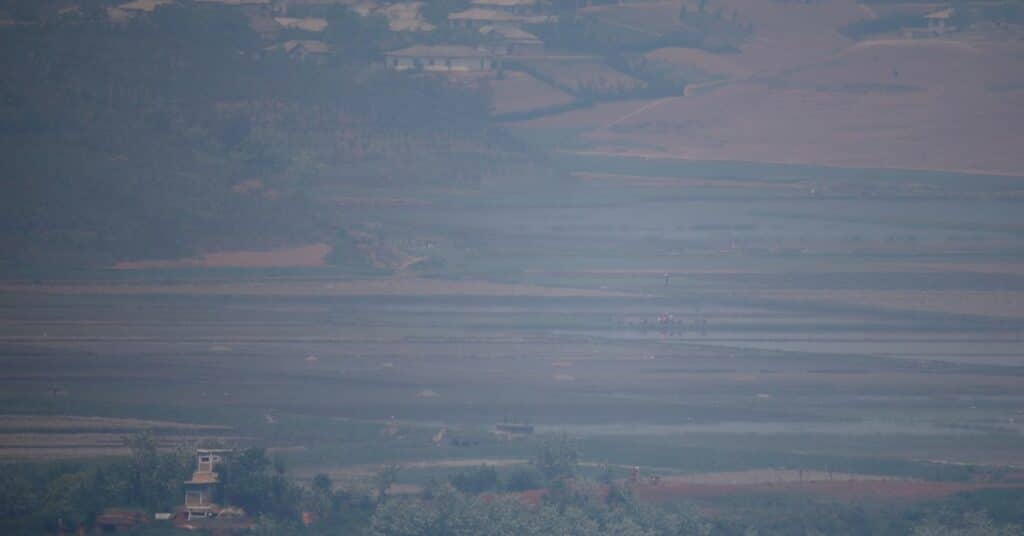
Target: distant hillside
(803, 89)
(178, 131)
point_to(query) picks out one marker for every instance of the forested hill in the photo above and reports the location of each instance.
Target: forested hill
(180, 131)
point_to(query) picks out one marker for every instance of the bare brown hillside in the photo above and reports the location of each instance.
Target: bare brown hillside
(799, 91)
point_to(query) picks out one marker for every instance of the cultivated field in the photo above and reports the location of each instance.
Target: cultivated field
(585, 76)
(769, 286)
(722, 319)
(519, 92)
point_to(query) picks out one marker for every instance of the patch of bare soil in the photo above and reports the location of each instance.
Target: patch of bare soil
(310, 255)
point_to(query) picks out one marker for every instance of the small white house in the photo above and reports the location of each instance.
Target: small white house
(306, 24)
(441, 58)
(144, 6)
(939, 22)
(476, 17)
(517, 7)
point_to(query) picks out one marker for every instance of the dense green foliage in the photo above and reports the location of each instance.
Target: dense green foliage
(251, 483)
(42, 497)
(448, 512)
(38, 497)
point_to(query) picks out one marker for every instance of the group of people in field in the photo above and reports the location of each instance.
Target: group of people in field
(671, 324)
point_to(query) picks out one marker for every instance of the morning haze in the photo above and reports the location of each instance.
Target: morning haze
(516, 267)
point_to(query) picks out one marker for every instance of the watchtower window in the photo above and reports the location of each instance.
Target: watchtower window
(195, 498)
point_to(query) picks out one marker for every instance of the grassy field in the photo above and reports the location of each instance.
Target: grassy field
(519, 93)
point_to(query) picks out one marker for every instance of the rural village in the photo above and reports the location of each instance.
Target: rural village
(520, 53)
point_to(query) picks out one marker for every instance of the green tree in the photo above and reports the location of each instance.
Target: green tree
(70, 498)
(970, 524)
(557, 458)
(478, 480)
(383, 481)
(250, 483)
(154, 479)
(523, 478)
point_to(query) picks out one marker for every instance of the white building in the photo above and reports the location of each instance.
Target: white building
(441, 58)
(517, 7)
(129, 10)
(939, 22)
(306, 24)
(475, 17)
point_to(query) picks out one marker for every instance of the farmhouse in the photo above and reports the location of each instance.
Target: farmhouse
(237, 2)
(441, 58)
(517, 7)
(303, 50)
(129, 10)
(475, 17)
(406, 17)
(939, 21)
(144, 6)
(284, 6)
(307, 24)
(364, 8)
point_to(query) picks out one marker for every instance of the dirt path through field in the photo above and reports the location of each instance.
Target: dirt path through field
(642, 109)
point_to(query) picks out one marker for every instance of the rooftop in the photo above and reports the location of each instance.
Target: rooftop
(365, 7)
(203, 477)
(504, 3)
(511, 34)
(313, 47)
(941, 14)
(406, 17)
(476, 13)
(237, 2)
(144, 5)
(439, 51)
(309, 24)
(262, 24)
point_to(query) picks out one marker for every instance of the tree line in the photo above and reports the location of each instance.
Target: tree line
(548, 496)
